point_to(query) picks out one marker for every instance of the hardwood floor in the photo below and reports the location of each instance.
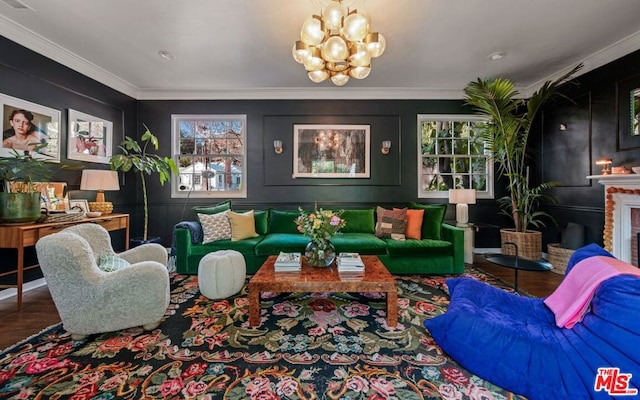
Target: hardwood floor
(39, 312)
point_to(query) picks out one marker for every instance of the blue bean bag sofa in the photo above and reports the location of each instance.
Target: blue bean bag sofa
(515, 343)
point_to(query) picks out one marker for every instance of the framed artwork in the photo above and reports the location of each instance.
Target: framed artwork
(628, 110)
(331, 151)
(82, 204)
(29, 127)
(89, 138)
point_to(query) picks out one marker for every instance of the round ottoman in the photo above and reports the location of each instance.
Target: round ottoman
(221, 274)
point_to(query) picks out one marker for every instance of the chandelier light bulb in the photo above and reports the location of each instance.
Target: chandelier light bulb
(332, 16)
(312, 31)
(355, 27)
(335, 49)
(337, 45)
(376, 44)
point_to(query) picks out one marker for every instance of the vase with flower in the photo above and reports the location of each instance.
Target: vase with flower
(320, 225)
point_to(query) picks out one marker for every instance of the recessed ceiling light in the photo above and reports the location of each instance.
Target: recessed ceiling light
(497, 56)
(165, 54)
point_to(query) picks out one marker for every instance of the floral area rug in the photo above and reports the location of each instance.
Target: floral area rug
(308, 346)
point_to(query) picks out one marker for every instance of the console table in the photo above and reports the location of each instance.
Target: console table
(20, 236)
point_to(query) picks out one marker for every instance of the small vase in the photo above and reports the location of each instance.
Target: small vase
(320, 253)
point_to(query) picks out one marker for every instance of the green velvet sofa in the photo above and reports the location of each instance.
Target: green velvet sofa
(440, 250)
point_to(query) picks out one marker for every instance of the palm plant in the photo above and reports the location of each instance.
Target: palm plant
(506, 136)
(135, 157)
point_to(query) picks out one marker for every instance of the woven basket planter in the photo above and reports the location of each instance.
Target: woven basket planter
(558, 257)
(529, 243)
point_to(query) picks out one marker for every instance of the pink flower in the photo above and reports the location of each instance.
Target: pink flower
(171, 387)
(455, 375)
(46, 364)
(424, 308)
(358, 384)
(479, 393)
(335, 221)
(287, 386)
(287, 308)
(355, 309)
(194, 388)
(449, 392)
(383, 387)
(257, 386)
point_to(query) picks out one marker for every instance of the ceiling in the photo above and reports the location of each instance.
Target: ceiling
(241, 49)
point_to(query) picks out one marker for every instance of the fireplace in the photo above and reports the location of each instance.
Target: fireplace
(622, 215)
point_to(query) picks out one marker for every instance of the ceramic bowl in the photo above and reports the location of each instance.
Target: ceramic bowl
(94, 214)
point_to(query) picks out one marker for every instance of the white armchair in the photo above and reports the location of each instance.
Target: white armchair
(90, 300)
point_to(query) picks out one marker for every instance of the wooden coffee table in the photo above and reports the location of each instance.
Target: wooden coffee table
(376, 278)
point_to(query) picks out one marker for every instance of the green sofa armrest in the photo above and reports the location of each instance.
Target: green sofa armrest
(455, 235)
(183, 249)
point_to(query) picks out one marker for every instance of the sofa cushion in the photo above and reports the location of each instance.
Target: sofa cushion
(391, 223)
(243, 225)
(274, 243)
(432, 219)
(414, 224)
(363, 243)
(424, 247)
(215, 227)
(359, 221)
(214, 209)
(283, 222)
(246, 246)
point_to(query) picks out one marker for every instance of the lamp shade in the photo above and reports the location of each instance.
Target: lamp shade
(99, 179)
(462, 196)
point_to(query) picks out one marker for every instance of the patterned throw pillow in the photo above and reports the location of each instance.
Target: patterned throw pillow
(215, 227)
(391, 223)
(110, 263)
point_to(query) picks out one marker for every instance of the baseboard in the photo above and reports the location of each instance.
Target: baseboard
(12, 292)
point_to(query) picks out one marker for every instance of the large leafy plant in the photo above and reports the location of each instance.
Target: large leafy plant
(136, 157)
(506, 136)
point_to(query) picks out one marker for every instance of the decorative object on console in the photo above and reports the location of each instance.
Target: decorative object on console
(621, 170)
(386, 147)
(100, 180)
(337, 45)
(506, 137)
(462, 198)
(320, 225)
(606, 165)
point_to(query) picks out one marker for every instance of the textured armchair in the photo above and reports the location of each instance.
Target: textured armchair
(90, 300)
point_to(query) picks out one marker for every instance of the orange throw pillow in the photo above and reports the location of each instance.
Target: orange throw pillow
(414, 224)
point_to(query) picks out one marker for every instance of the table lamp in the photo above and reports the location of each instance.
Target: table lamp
(461, 198)
(100, 180)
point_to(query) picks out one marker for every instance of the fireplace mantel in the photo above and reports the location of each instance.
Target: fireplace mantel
(622, 195)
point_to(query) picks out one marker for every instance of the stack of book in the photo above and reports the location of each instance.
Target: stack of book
(288, 262)
(350, 265)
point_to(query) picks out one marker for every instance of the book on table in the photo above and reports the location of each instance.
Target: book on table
(350, 262)
(288, 262)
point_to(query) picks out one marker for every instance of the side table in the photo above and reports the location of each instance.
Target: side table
(20, 236)
(516, 263)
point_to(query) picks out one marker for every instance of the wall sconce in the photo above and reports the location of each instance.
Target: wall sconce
(606, 163)
(277, 146)
(386, 146)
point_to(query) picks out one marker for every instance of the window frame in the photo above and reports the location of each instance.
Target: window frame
(176, 119)
(440, 194)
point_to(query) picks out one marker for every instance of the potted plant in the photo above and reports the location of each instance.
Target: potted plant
(20, 173)
(136, 158)
(506, 135)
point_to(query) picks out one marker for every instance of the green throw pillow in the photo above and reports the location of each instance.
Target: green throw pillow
(110, 263)
(359, 221)
(283, 221)
(432, 219)
(215, 209)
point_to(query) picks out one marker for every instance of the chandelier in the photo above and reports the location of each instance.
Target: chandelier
(337, 45)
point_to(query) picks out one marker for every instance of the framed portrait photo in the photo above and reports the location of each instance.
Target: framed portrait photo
(29, 127)
(331, 151)
(89, 138)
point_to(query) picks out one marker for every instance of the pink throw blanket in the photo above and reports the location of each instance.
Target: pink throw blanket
(571, 300)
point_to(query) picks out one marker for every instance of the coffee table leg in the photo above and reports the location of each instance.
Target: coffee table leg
(392, 307)
(254, 307)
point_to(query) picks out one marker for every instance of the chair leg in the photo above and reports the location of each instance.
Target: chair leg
(150, 327)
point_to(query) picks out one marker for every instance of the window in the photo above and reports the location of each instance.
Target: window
(452, 155)
(211, 154)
